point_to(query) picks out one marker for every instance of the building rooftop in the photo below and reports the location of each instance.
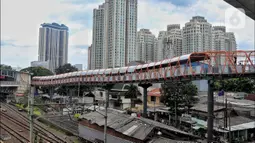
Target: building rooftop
(154, 92)
(166, 140)
(237, 120)
(203, 108)
(247, 5)
(55, 26)
(138, 128)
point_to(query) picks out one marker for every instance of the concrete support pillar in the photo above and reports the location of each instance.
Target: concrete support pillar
(51, 92)
(145, 87)
(210, 107)
(155, 116)
(246, 134)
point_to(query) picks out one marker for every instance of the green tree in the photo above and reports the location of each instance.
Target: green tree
(63, 89)
(236, 85)
(178, 97)
(65, 69)
(5, 67)
(37, 71)
(132, 94)
(189, 92)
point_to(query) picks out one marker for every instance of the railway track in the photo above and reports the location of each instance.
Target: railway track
(37, 127)
(14, 133)
(44, 137)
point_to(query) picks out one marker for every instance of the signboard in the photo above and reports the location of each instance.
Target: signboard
(2, 77)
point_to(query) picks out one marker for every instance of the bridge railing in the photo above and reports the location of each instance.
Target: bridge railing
(163, 74)
(213, 63)
(9, 83)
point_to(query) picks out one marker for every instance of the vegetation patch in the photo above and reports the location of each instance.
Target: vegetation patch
(77, 116)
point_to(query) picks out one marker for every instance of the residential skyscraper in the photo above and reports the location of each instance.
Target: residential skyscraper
(173, 41)
(97, 50)
(159, 50)
(145, 46)
(89, 57)
(114, 34)
(223, 41)
(197, 36)
(53, 44)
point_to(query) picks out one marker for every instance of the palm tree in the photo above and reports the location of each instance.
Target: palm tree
(132, 94)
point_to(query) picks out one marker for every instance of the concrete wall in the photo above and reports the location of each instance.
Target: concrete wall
(126, 102)
(24, 82)
(92, 134)
(202, 85)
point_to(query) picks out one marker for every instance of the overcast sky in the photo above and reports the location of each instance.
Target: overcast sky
(21, 19)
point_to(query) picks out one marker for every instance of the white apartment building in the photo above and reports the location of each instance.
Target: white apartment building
(89, 57)
(173, 41)
(53, 44)
(197, 36)
(223, 41)
(159, 50)
(97, 50)
(145, 46)
(231, 45)
(44, 64)
(114, 34)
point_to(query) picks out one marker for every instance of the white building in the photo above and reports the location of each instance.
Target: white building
(231, 46)
(145, 46)
(173, 41)
(89, 58)
(53, 44)
(44, 64)
(78, 66)
(159, 50)
(114, 34)
(97, 48)
(223, 41)
(197, 36)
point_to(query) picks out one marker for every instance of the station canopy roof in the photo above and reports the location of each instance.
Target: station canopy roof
(247, 5)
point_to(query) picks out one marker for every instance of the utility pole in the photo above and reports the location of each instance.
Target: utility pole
(229, 125)
(107, 87)
(210, 107)
(226, 116)
(155, 114)
(105, 125)
(31, 110)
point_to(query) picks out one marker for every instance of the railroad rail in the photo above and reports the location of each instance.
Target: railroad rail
(42, 135)
(14, 133)
(37, 127)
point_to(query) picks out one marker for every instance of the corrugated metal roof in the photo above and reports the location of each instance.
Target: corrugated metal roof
(122, 123)
(203, 107)
(135, 127)
(166, 140)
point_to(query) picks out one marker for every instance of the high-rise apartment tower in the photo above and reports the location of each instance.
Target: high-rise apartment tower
(53, 44)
